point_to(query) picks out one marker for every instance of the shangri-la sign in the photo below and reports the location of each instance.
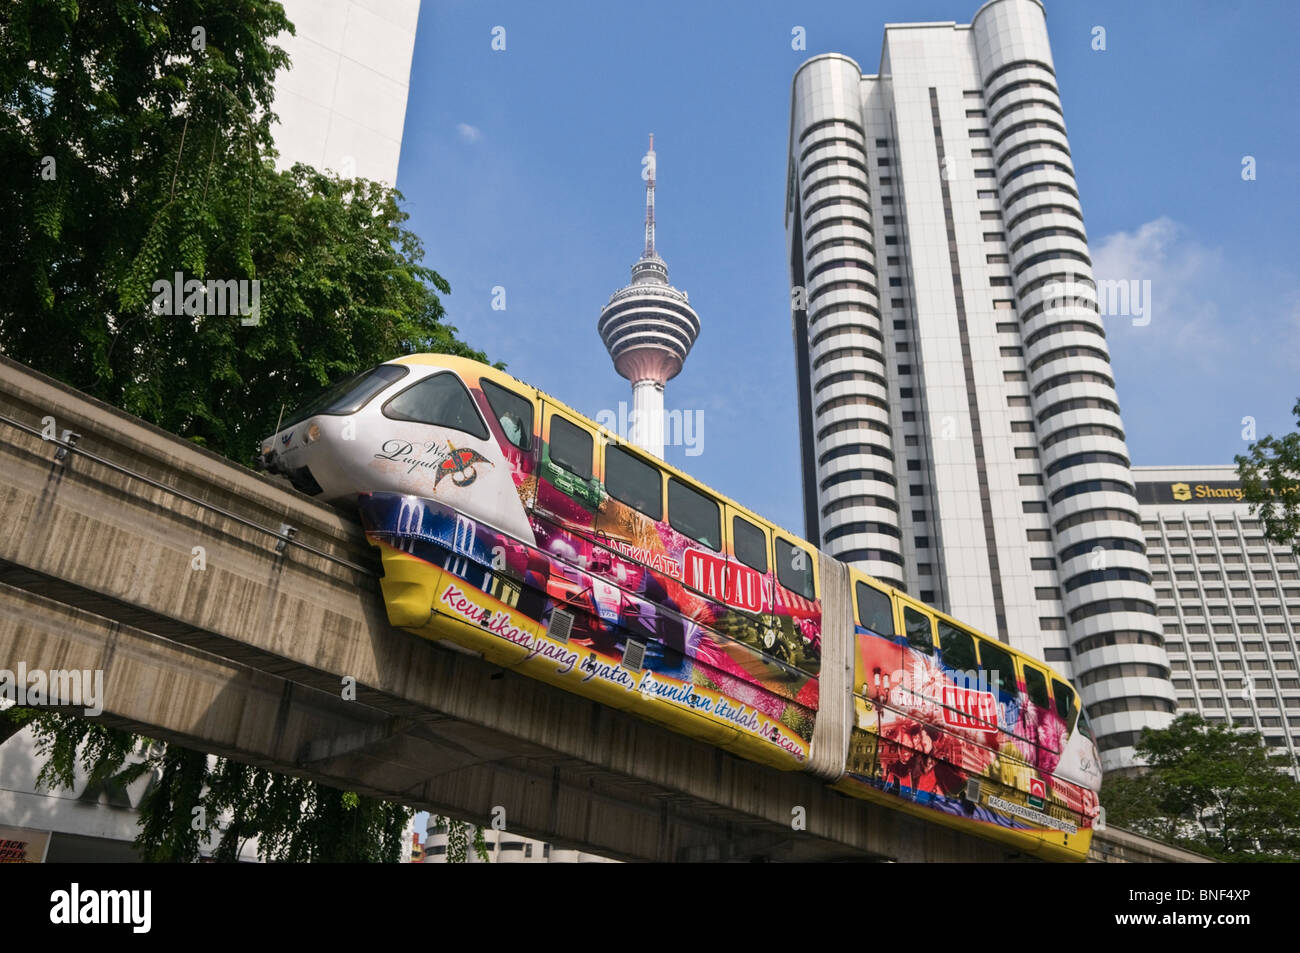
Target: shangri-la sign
(1217, 492)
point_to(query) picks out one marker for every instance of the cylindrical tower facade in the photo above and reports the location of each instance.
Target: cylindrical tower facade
(1119, 660)
(839, 342)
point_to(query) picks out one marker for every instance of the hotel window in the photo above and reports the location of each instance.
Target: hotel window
(981, 153)
(986, 194)
(997, 260)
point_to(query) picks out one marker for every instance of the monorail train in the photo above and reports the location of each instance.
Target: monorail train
(512, 526)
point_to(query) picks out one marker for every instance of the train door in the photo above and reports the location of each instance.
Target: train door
(568, 492)
(513, 419)
(1014, 748)
(1040, 718)
(750, 598)
(879, 654)
(798, 629)
(919, 693)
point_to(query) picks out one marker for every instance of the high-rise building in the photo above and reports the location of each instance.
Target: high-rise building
(648, 328)
(960, 429)
(342, 103)
(1228, 600)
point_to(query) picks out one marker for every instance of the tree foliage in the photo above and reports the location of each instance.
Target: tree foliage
(1210, 788)
(199, 800)
(461, 838)
(1270, 481)
(138, 141)
(139, 157)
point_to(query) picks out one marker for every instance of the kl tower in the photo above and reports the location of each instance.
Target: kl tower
(648, 329)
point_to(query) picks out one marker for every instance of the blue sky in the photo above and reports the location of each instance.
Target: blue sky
(521, 169)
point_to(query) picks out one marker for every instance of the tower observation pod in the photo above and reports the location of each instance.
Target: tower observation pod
(648, 328)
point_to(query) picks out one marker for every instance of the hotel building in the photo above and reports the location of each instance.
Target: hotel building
(1228, 601)
(961, 435)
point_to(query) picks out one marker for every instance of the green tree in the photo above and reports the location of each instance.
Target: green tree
(1210, 788)
(1270, 482)
(462, 837)
(137, 137)
(140, 156)
(198, 799)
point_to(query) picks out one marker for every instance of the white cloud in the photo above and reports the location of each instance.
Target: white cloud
(1207, 312)
(1186, 281)
(469, 133)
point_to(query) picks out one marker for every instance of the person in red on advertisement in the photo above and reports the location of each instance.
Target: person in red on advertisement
(921, 757)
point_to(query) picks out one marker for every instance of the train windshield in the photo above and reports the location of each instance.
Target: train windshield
(350, 395)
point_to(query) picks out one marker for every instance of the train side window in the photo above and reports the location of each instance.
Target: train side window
(957, 648)
(750, 544)
(794, 569)
(570, 447)
(1036, 687)
(440, 400)
(1065, 706)
(1000, 670)
(514, 413)
(875, 610)
(916, 625)
(634, 482)
(693, 514)
(1084, 725)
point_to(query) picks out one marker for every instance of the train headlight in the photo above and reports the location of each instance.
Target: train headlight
(313, 433)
